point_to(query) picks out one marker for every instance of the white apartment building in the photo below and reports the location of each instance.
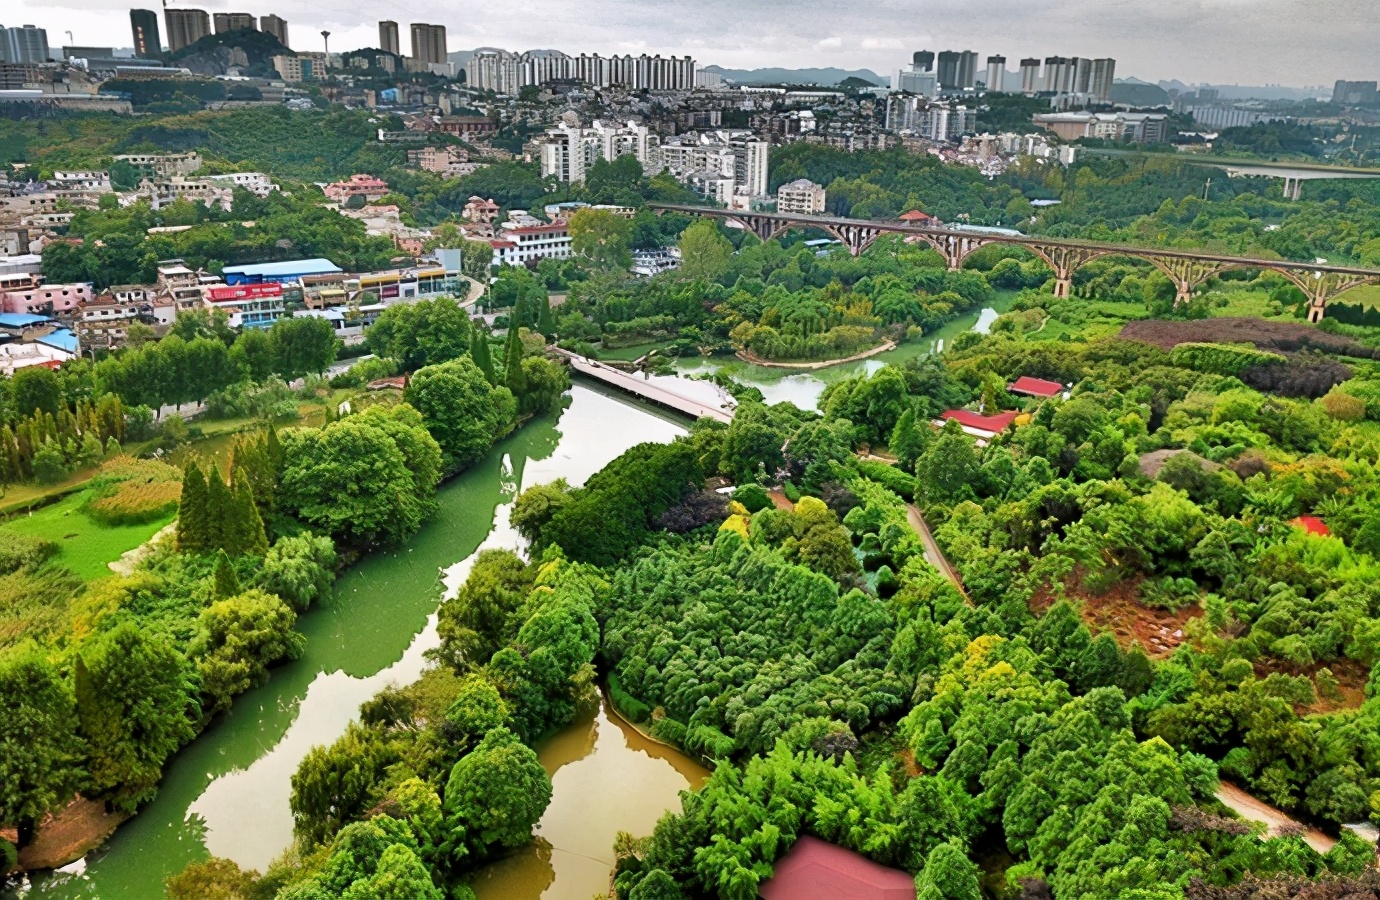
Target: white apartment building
(704, 161)
(254, 182)
(96, 182)
(507, 73)
(801, 196)
(164, 165)
(568, 151)
(515, 245)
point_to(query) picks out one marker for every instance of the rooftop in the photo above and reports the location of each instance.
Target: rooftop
(1035, 387)
(21, 320)
(62, 339)
(316, 266)
(977, 421)
(818, 870)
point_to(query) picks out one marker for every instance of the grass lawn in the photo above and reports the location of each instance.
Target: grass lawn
(635, 351)
(86, 546)
(1367, 295)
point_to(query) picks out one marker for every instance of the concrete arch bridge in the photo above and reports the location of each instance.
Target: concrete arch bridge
(1187, 269)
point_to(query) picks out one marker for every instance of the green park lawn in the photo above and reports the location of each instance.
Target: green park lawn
(87, 547)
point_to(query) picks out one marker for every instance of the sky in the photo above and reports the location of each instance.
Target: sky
(1290, 42)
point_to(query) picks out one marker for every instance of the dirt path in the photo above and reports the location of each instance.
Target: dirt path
(756, 360)
(780, 499)
(1276, 820)
(933, 554)
(78, 829)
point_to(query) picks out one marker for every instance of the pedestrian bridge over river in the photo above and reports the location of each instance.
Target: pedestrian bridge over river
(642, 386)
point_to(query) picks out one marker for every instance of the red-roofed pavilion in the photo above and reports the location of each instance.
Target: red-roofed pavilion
(818, 870)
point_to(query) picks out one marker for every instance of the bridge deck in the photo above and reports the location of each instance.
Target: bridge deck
(895, 227)
(640, 387)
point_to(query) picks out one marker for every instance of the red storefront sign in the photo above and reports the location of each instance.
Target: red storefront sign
(242, 292)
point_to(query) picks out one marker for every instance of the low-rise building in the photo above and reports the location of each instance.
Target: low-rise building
(104, 322)
(164, 165)
(367, 186)
(480, 210)
(246, 305)
(255, 182)
(44, 299)
(1135, 128)
(514, 246)
(801, 196)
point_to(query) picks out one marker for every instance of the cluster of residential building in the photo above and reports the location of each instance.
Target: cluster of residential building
(508, 73)
(957, 71)
(726, 166)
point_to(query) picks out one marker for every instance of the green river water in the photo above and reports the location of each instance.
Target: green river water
(227, 793)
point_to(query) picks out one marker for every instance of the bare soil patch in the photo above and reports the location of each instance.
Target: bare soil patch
(77, 829)
(1265, 334)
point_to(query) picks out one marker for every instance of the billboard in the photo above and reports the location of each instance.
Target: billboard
(241, 292)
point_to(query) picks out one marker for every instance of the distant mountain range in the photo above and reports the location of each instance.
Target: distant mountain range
(1253, 91)
(827, 77)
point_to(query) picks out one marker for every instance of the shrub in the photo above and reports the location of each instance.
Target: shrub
(9, 856)
(633, 709)
(49, 465)
(754, 497)
(132, 491)
(669, 730)
(889, 477)
(24, 551)
(1220, 359)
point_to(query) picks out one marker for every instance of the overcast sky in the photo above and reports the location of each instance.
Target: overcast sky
(1292, 42)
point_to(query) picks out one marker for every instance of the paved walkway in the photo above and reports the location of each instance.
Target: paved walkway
(1278, 821)
(933, 555)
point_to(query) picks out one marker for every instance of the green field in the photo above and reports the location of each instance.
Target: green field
(87, 547)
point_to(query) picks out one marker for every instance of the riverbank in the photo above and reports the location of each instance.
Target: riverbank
(748, 356)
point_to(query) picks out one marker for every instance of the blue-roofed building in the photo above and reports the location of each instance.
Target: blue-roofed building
(288, 272)
(62, 339)
(21, 321)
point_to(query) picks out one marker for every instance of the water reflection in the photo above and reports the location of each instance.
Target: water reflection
(606, 778)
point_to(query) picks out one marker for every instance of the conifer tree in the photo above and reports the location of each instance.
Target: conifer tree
(249, 535)
(512, 364)
(546, 320)
(226, 581)
(274, 450)
(220, 505)
(192, 511)
(483, 358)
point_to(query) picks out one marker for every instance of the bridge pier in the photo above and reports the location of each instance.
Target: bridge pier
(1063, 285)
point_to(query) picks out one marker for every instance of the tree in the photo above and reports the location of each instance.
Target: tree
(215, 879)
(227, 584)
(536, 506)
(512, 363)
(950, 467)
(907, 441)
(948, 875)
(192, 524)
(40, 752)
(237, 639)
(461, 410)
(494, 795)
(35, 389)
(477, 260)
(136, 704)
(601, 235)
(420, 334)
(244, 527)
(335, 784)
(546, 381)
(300, 569)
(302, 345)
(705, 254)
(252, 354)
(482, 355)
(350, 480)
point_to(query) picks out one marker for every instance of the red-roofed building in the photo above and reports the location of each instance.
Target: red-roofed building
(978, 425)
(1035, 387)
(366, 186)
(818, 870)
(916, 217)
(1312, 525)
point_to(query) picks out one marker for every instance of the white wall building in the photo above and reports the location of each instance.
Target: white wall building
(801, 196)
(568, 151)
(516, 244)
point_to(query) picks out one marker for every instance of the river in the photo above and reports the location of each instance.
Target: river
(226, 794)
(804, 388)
